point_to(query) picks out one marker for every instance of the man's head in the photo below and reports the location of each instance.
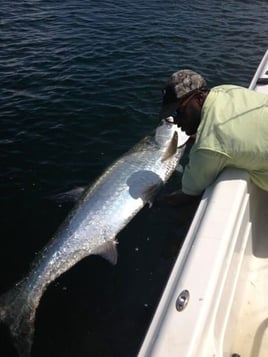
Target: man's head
(179, 86)
(183, 96)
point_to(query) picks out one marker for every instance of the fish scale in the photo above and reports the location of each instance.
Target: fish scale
(91, 227)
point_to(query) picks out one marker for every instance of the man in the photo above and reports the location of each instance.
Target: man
(230, 127)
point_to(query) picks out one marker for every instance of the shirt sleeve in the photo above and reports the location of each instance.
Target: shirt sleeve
(202, 169)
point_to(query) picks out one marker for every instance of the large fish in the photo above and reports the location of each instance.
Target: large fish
(103, 211)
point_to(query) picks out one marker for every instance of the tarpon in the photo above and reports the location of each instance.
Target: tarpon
(91, 227)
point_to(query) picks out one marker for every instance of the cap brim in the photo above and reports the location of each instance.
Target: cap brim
(168, 110)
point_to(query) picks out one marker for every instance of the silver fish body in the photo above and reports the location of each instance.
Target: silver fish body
(104, 210)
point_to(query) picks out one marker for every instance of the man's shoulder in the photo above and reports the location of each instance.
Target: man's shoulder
(227, 88)
(237, 94)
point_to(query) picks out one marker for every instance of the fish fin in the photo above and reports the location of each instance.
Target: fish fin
(71, 196)
(108, 251)
(172, 147)
(18, 313)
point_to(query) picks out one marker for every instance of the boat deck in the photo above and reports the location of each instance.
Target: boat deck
(251, 334)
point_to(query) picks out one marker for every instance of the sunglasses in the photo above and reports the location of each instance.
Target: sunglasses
(179, 111)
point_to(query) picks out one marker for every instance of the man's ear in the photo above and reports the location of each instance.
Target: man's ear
(201, 96)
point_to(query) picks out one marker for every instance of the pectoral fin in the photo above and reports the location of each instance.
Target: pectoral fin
(108, 251)
(172, 147)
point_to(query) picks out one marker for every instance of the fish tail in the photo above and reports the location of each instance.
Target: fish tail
(18, 313)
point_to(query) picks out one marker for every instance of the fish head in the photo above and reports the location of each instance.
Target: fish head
(167, 130)
(169, 138)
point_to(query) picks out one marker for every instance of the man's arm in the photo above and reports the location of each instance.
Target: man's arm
(203, 168)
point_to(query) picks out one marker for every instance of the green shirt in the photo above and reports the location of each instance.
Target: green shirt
(233, 132)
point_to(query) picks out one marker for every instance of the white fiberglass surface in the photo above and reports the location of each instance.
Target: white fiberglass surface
(251, 334)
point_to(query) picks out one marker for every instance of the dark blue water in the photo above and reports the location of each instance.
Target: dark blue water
(80, 84)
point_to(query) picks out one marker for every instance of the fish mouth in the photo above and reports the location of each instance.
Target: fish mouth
(169, 120)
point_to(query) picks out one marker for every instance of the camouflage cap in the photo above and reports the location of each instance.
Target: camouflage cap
(179, 85)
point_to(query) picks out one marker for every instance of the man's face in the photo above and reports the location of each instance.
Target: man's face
(188, 115)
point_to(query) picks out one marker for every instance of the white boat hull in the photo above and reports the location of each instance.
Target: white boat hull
(215, 303)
